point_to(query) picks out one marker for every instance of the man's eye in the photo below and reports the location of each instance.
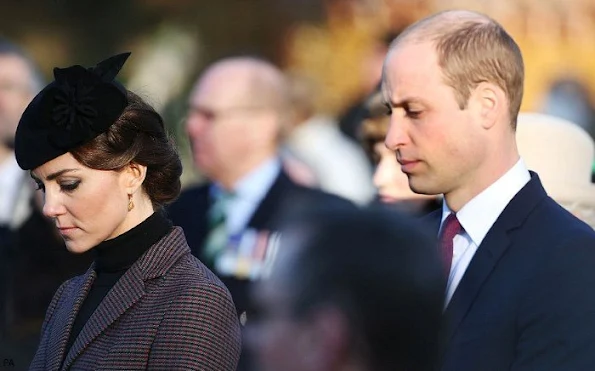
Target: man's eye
(414, 114)
(40, 187)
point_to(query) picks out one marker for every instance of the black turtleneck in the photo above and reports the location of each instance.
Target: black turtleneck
(112, 259)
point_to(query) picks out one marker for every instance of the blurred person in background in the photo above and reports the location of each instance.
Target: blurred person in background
(33, 258)
(357, 290)
(520, 267)
(237, 116)
(350, 121)
(338, 163)
(106, 166)
(238, 112)
(391, 182)
(561, 152)
(570, 99)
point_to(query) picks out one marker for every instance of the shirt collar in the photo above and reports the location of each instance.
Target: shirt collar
(255, 184)
(478, 215)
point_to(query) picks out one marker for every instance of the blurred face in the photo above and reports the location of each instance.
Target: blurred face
(88, 206)
(391, 182)
(438, 145)
(15, 94)
(279, 341)
(220, 124)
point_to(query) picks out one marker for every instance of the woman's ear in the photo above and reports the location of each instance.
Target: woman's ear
(134, 176)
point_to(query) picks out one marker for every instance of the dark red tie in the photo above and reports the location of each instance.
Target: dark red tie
(450, 228)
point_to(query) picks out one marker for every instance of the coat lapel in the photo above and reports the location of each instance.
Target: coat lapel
(65, 315)
(129, 289)
(494, 245)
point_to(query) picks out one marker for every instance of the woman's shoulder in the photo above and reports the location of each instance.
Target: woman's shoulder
(192, 270)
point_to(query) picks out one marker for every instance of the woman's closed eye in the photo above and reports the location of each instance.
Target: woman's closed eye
(70, 185)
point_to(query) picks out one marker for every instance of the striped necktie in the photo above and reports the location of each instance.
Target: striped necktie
(217, 236)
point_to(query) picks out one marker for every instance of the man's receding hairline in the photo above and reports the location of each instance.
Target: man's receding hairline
(428, 29)
(258, 74)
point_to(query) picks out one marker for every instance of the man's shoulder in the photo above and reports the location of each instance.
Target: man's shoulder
(554, 216)
(316, 197)
(552, 226)
(191, 198)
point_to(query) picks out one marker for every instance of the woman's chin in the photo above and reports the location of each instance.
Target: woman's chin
(77, 247)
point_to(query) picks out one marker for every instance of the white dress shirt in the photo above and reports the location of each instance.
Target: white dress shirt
(248, 194)
(11, 180)
(477, 217)
(249, 252)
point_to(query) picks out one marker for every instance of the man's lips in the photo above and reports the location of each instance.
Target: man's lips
(407, 165)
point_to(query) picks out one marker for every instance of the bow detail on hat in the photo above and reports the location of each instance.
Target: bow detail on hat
(73, 116)
(73, 107)
(108, 69)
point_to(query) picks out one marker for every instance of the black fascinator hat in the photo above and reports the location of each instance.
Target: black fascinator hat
(76, 107)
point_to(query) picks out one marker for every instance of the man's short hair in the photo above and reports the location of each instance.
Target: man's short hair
(472, 48)
(381, 270)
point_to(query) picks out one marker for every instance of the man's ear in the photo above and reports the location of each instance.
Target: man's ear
(134, 176)
(488, 101)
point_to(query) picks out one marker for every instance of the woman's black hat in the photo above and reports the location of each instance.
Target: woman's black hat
(76, 107)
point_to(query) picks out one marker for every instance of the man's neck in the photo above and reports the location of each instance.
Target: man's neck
(477, 183)
(231, 179)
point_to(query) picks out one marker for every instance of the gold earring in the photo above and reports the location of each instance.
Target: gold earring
(130, 203)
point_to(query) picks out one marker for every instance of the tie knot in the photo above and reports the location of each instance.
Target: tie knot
(451, 227)
(218, 208)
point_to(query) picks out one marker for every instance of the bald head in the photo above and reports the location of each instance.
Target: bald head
(248, 81)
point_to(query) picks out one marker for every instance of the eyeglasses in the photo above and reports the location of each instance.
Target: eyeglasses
(13, 86)
(215, 114)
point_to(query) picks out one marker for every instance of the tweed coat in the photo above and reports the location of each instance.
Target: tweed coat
(167, 312)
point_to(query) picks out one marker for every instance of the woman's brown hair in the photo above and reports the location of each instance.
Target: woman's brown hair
(137, 136)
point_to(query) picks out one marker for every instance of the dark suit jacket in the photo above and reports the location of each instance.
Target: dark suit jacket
(527, 299)
(284, 199)
(167, 312)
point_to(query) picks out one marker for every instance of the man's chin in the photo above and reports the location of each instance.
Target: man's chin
(8, 143)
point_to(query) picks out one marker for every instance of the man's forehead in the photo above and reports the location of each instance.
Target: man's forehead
(408, 71)
(217, 88)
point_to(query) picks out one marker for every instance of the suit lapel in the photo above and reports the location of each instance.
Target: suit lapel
(65, 314)
(494, 245)
(270, 204)
(489, 252)
(127, 291)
